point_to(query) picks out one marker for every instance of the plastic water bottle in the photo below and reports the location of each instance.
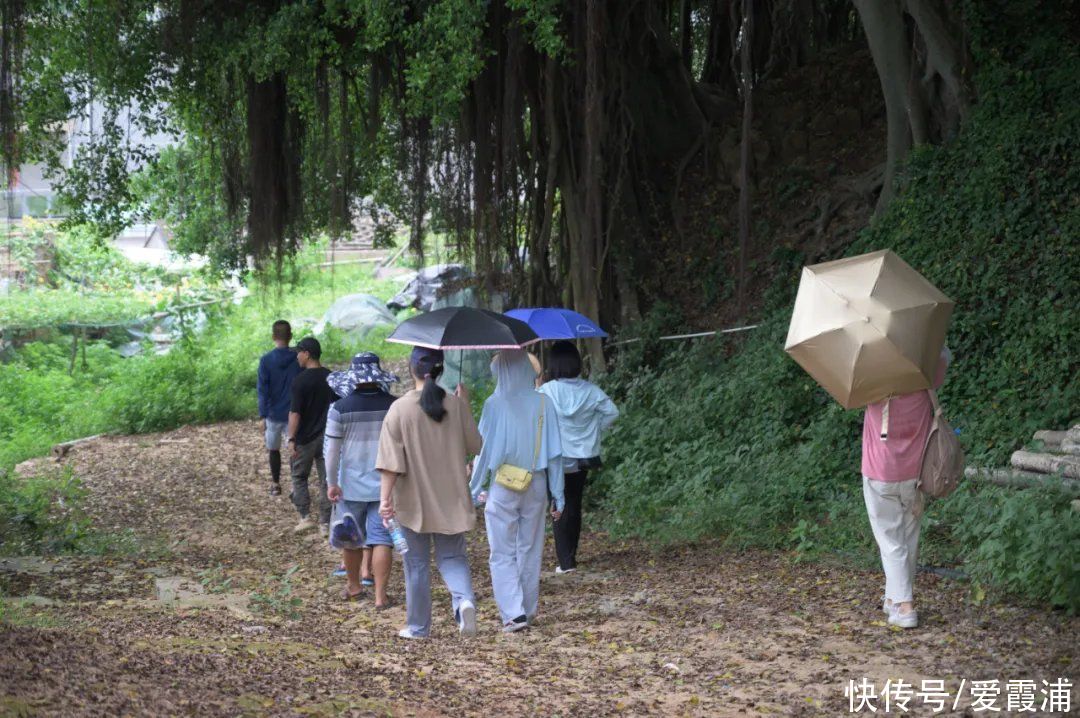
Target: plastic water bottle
(397, 535)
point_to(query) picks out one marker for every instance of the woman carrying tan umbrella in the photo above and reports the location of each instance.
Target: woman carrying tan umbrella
(871, 331)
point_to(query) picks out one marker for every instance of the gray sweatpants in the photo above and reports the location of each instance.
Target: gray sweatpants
(300, 467)
(453, 566)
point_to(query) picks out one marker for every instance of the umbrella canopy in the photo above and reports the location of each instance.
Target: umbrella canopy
(557, 323)
(868, 327)
(464, 328)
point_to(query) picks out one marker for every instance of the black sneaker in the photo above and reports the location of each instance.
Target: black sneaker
(275, 488)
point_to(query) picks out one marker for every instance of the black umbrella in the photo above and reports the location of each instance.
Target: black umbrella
(464, 328)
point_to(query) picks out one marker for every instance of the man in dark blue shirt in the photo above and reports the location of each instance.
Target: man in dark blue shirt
(277, 369)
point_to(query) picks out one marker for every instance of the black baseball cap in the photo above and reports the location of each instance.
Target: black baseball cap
(311, 346)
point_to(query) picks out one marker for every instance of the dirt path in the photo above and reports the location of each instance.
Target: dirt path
(171, 629)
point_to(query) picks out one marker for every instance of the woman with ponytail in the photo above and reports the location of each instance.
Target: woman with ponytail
(425, 443)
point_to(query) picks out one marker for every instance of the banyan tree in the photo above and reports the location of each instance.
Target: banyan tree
(549, 138)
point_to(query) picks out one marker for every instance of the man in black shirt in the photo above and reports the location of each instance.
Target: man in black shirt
(311, 399)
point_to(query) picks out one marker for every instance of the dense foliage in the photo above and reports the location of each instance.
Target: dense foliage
(730, 438)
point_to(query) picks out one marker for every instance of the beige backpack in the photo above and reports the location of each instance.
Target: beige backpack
(943, 459)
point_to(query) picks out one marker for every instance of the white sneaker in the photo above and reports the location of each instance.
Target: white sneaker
(518, 624)
(305, 524)
(407, 633)
(560, 569)
(886, 606)
(324, 530)
(467, 618)
(903, 620)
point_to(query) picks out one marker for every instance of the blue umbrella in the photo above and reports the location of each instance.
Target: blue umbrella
(557, 323)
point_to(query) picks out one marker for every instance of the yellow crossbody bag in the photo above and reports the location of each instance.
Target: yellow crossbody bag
(516, 478)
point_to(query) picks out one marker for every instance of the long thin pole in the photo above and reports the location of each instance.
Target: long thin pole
(692, 336)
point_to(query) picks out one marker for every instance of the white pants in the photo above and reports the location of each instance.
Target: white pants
(515, 529)
(894, 510)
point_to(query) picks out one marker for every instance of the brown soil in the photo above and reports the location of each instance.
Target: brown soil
(690, 631)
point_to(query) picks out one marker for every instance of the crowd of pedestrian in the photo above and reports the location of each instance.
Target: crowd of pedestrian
(419, 464)
(409, 471)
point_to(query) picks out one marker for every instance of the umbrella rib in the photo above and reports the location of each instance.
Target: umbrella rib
(847, 302)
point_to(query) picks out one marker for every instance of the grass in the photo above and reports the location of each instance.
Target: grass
(206, 377)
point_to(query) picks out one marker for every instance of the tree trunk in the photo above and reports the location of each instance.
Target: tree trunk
(59, 451)
(745, 150)
(686, 34)
(1068, 466)
(1020, 479)
(273, 165)
(883, 24)
(1051, 439)
(716, 69)
(943, 54)
(586, 272)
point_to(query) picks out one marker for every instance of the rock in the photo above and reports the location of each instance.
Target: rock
(254, 630)
(672, 668)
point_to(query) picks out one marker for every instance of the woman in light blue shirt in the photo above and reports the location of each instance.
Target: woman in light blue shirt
(511, 425)
(585, 411)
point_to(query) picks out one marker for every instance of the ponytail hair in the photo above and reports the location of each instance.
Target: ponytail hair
(431, 398)
(427, 364)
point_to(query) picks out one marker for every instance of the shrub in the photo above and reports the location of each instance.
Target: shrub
(41, 514)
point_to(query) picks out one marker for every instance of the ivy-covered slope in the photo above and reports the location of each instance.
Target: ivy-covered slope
(739, 443)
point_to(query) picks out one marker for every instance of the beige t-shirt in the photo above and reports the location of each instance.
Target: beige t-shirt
(432, 493)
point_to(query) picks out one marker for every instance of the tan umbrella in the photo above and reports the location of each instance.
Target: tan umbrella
(868, 327)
